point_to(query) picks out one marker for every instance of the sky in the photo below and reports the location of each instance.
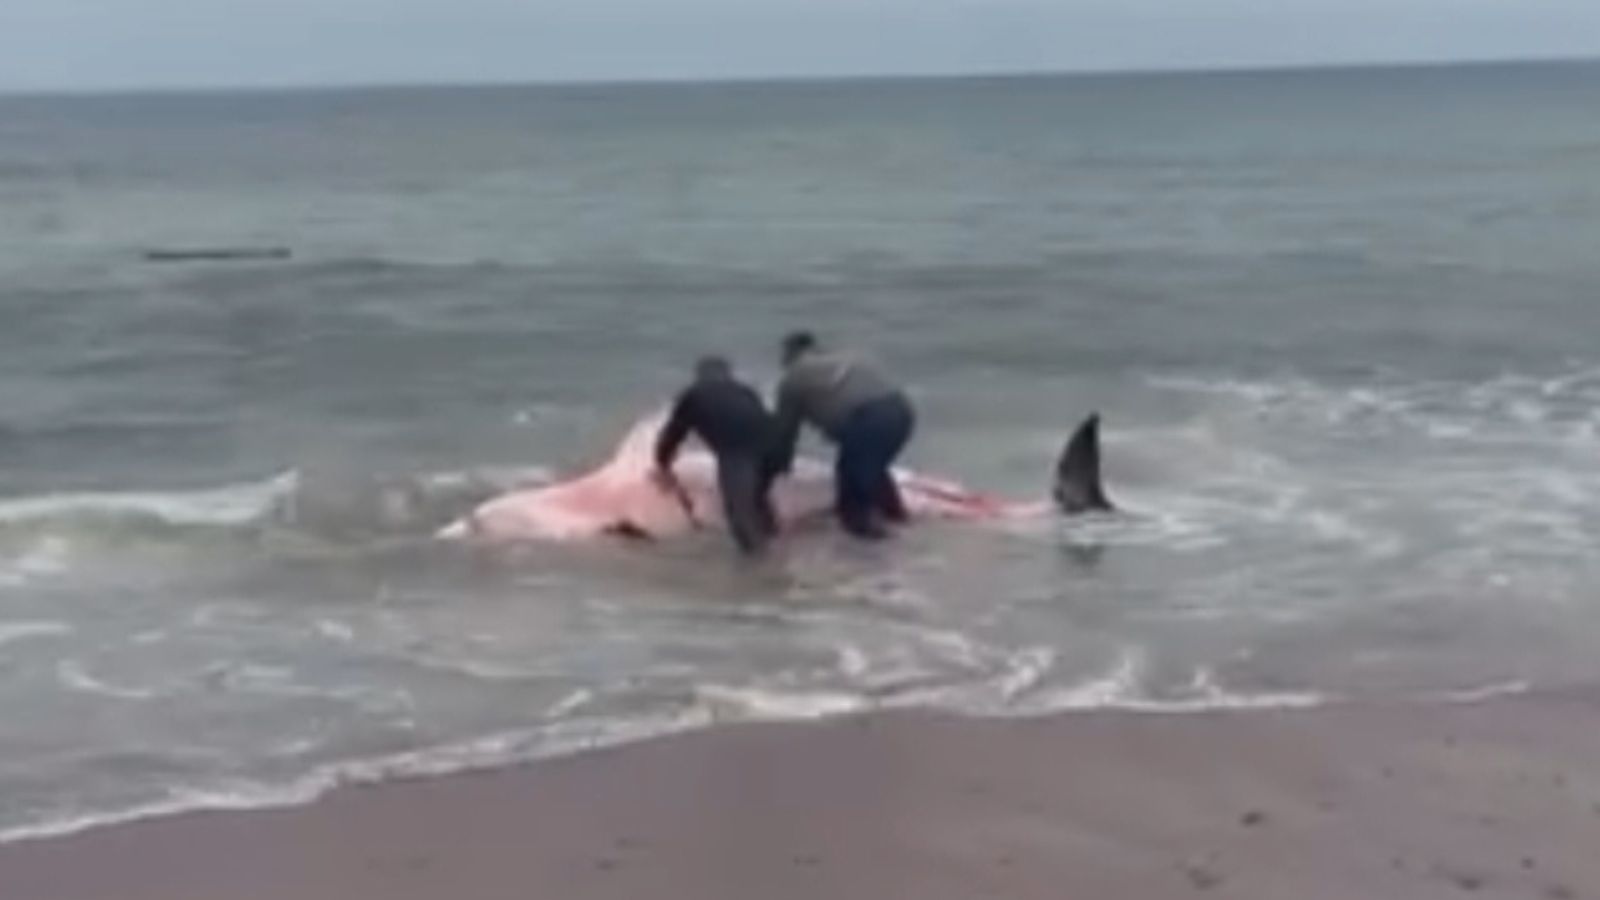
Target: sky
(139, 44)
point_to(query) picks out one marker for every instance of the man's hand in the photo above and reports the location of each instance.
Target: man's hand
(666, 480)
(668, 484)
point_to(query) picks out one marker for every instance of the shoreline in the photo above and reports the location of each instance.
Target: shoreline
(1498, 797)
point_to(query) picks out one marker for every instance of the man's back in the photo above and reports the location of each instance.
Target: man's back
(824, 388)
(727, 415)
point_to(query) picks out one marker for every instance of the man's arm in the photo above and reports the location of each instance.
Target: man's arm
(674, 432)
(787, 432)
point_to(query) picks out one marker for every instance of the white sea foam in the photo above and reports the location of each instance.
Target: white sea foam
(228, 505)
(73, 675)
(16, 632)
(488, 752)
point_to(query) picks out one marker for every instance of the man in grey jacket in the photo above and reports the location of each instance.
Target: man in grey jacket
(866, 415)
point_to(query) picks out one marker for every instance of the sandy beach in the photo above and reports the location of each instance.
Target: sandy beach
(1499, 798)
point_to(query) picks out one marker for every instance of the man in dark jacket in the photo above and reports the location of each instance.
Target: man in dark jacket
(729, 417)
(863, 412)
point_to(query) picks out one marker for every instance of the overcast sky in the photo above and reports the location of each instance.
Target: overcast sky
(86, 44)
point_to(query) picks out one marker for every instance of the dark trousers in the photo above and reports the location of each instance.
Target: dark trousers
(745, 482)
(869, 443)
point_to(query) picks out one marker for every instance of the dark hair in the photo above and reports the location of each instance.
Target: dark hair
(709, 367)
(798, 342)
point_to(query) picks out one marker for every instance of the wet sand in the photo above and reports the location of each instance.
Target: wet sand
(1499, 798)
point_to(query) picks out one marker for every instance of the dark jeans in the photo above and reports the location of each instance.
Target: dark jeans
(745, 483)
(869, 443)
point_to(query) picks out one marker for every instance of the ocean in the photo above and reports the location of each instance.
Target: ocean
(1340, 325)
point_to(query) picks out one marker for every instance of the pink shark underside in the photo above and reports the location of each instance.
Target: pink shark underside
(621, 498)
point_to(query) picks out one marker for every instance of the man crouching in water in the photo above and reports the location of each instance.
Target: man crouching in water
(863, 412)
(729, 417)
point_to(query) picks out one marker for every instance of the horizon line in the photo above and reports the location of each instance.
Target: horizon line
(796, 79)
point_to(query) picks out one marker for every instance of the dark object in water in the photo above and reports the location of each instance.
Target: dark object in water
(217, 254)
(1078, 488)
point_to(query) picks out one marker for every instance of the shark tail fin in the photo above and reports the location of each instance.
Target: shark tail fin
(1078, 488)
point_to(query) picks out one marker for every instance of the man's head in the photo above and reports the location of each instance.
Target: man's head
(712, 368)
(796, 344)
